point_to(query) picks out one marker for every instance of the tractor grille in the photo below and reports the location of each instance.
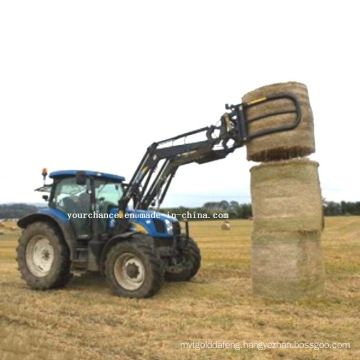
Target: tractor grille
(159, 226)
(176, 228)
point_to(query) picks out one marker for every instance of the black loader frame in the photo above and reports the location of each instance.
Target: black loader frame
(148, 184)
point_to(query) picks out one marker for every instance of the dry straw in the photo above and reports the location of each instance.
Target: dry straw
(284, 145)
(288, 289)
(287, 254)
(286, 196)
(287, 265)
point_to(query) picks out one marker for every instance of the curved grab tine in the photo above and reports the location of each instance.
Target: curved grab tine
(281, 128)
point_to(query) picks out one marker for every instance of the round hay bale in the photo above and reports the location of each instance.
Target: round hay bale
(286, 196)
(1, 233)
(283, 145)
(13, 228)
(287, 265)
(225, 225)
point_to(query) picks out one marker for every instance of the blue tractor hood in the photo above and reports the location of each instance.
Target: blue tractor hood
(154, 223)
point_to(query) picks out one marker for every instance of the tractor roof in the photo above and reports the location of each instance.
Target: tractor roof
(97, 174)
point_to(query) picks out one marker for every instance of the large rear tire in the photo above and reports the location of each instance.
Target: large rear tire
(134, 270)
(191, 264)
(43, 257)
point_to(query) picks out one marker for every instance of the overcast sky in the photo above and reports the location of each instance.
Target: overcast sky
(90, 84)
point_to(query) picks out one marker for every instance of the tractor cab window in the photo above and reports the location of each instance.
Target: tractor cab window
(107, 194)
(71, 197)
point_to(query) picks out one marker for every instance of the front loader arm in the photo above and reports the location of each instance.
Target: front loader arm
(149, 183)
(161, 183)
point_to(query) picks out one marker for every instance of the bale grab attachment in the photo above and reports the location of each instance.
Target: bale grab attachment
(151, 182)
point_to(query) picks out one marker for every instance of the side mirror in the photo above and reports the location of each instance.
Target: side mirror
(45, 197)
(80, 178)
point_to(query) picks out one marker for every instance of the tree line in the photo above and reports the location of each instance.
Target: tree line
(332, 208)
(16, 211)
(244, 211)
(234, 209)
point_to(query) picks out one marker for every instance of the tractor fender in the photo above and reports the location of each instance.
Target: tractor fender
(63, 227)
(118, 238)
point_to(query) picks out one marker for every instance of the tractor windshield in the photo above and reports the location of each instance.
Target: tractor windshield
(108, 193)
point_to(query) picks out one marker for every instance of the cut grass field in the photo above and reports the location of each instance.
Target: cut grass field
(86, 321)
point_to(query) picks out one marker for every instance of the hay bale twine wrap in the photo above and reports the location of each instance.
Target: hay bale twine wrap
(286, 196)
(283, 145)
(287, 265)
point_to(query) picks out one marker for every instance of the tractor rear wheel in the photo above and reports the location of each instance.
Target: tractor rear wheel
(133, 269)
(191, 261)
(43, 257)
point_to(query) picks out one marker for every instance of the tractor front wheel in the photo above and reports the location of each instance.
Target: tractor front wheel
(134, 270)
(189, 264)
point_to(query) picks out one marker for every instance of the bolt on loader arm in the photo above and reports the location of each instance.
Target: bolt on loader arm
(150, 183)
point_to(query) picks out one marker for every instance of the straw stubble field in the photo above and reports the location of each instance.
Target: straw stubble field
(85, 321)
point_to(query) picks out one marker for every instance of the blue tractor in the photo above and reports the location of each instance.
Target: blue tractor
(95, 222)
(78, 232)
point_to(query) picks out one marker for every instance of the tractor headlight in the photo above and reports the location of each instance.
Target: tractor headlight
(169, 227)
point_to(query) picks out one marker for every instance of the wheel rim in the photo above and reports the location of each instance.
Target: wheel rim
(39, 256)
(129, 271)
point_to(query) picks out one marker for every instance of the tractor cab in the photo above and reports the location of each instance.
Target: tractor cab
(89, 202)
(88, 199)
